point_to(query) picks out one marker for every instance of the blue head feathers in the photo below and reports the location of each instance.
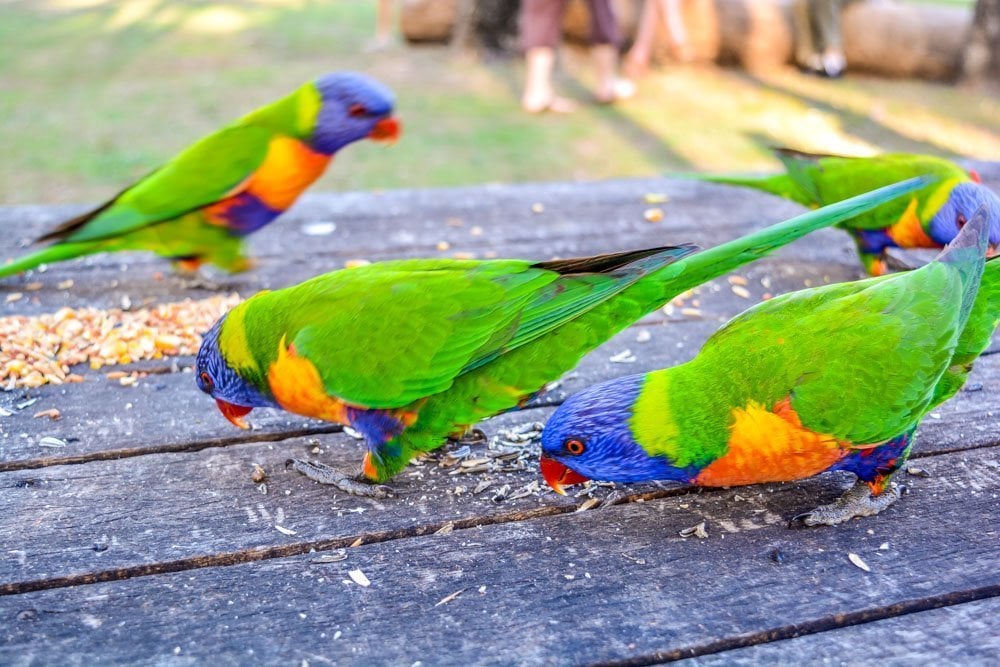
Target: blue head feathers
(354, 107)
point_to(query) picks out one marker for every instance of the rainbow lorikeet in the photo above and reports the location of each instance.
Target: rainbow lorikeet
(200, 205)
(832, 378)
(923, 219)
(411, 352)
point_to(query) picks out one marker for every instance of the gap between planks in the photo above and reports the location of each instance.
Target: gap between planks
(812, 627)
(259, 554)
(350, 541)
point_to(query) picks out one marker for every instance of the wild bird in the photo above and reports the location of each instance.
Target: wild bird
(411, 352)
(926, 218)
(832, 378)
(199, 206)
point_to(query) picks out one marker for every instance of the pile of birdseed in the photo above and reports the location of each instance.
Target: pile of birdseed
(36, 350)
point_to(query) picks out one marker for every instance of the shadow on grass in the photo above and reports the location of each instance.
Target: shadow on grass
(856, 124)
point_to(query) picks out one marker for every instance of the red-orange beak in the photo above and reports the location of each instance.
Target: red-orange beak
(387, 130)
(557, 475)
(992, 251)
(974, 175)
(234, 413)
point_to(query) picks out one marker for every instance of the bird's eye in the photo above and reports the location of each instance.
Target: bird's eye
(574, 446)
(357, 110)
(960, 220)
(206, 382)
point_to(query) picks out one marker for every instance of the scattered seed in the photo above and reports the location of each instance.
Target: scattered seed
(695, 531)
(33, 287)
(476, 231)
(258, 475)
(358, 542)
(501, 494)
(643, 336)
(66, 284)
(537, 207)
(443, 245)
(354, 263)
(358, 577)
(738, 280)
(13, 296)
(691, 312)
(587, 504)
(319, 228)
(448, 598)
(623, 357)
(41, 349)
(637, 561)
(653, 214)
(482, 486)
(856, 560)
(917, 472)
(51, 413)
(741, 292)
(463, 255)
(445, 529)
(357, 435)
(656, 198)
(333, 557)
(884, 546)
(49, 441)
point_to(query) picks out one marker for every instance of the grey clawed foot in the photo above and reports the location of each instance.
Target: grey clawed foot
(857, 501)
(355, 484)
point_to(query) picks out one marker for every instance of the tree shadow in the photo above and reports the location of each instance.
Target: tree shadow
(862, 126)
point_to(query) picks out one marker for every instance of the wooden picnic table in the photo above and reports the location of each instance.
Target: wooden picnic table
(144, 538)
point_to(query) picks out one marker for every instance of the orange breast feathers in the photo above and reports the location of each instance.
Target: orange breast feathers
(298, 388)
(771, 446)
(908, 232)
(288, 169)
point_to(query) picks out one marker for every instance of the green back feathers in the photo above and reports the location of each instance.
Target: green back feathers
(293, 115)
(388, 334)
(818, 180)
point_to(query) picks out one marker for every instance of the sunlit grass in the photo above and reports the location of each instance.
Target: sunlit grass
(95, 93)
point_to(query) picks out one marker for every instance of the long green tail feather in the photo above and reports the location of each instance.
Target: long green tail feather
(714, 262)
(55, 253)
(782, 185)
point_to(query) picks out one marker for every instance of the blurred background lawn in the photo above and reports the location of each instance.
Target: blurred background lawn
(94, 93)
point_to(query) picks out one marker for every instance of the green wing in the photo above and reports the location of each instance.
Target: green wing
(860, 360)
(202, 174)
(386, 335)
(831, 179)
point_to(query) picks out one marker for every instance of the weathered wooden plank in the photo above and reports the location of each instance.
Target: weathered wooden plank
(576, 220)
(176, 494)
(963, 634)
(166, 411)
(602, 218)
(581, 588)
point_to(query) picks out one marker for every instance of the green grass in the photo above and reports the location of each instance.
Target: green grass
(94, 93)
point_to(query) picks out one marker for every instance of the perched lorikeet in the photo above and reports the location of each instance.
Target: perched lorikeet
(200, 205)
(831, 378)
(923, 219)
(411, 352)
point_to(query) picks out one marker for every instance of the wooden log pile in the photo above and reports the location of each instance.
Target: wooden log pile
(880, 36)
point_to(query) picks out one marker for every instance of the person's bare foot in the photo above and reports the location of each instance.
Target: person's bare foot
(554, 104)
(619, 89)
